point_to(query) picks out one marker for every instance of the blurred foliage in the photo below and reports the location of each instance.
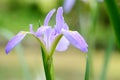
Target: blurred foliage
(16, 15)
(91, 21)
(114, 15)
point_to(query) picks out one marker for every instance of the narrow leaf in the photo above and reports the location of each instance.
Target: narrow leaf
(113, 13)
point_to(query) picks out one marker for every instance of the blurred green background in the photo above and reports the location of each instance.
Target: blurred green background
(91, 21)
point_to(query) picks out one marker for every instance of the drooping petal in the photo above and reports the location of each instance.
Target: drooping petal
(15, 40)
(76, 40)
(31, 29)
(63, 44)
(49, 15)
(68, 4)
(60, 23)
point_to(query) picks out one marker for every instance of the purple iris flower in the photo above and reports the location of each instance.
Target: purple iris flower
(50, 38)
(68, 5)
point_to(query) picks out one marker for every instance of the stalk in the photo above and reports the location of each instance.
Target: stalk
(107, 57)
(87, 69)
(48, 66)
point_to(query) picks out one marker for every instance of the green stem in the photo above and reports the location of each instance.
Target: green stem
(87, 69)
(107, 58)
(89, 74)
(48, 65)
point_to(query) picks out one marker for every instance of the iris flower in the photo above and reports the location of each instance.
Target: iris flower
(68, 5)
(58, 38)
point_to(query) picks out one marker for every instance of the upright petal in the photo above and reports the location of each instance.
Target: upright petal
(60, 24)
(15, 40)
(41, 33)
(31, 29)
(63, 44)
(68, 4)
(41, 30)
(49, 15)
(47, 35)
(76, 40)
(59, 16)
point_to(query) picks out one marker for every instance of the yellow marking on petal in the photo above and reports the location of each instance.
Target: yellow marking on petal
(70, 31)
(23, 32)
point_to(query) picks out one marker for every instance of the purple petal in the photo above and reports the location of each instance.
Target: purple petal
(41, 33)
(59, 16)
(15, 40)
(49, 36)
(65, 26)
(68, 4)
(31, 29)
(76, 40)
(49, 15)
(41, 30)
(100, 0)
(63, 44)
(60, 24)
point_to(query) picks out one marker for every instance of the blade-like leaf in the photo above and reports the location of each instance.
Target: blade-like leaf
(113, 13)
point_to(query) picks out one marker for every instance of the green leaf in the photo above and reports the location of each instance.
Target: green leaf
(113, 13)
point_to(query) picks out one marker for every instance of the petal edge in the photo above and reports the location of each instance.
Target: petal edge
(63, 44)
(49, 15)
(15, 40)
(76, 40)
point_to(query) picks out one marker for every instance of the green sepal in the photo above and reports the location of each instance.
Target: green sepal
(41, 44)
(55, 42)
